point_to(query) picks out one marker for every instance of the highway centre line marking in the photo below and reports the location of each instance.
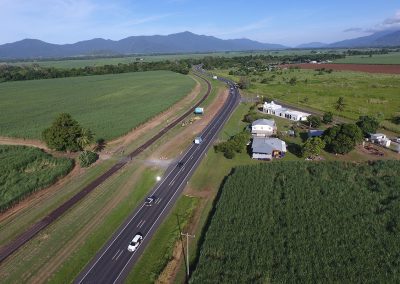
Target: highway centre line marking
(101, 256)
(115, 254)
(119, 254)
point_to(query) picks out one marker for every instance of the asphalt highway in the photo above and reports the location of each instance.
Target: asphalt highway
(113, 262)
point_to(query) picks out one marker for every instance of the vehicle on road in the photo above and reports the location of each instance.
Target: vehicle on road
(134, 244)
(150, 200)
(198, 140)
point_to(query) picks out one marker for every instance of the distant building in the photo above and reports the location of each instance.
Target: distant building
(263, 127)
(268, 148)
(278, 110)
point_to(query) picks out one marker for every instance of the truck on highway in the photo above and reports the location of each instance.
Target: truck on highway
(198, 140)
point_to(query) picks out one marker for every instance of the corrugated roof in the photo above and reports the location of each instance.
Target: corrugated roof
(268, 145)
(263, 121)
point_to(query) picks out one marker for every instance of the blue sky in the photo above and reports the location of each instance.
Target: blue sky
(285, 22)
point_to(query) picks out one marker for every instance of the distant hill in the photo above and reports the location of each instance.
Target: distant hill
(312, 45)
(378, 39)
(184, 42)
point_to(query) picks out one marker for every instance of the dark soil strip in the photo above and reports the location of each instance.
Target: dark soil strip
(55, 214)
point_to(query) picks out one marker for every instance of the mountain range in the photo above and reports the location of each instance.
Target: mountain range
(185, 42)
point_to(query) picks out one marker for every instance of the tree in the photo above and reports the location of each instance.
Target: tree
(313, 147)
(367, 124)
(396, 119)
(342, 138)
(86, 158)
(327, 117)
(85, 138)
(340, 105)
(244, 83)
(63, 134)
(314, 121)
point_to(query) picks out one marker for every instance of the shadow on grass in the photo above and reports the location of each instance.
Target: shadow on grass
(303, 136)
(204, 230)
(295, 149)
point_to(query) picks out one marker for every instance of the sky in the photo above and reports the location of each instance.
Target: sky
(284, 22)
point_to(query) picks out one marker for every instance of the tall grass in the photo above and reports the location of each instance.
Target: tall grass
(110, 105)
(301, 222)
(24, 170)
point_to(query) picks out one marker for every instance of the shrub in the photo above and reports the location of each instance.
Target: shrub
(314, 121)
(367, 124)
(341, 139)
(65, 134)
(327, 117)
(86, 158)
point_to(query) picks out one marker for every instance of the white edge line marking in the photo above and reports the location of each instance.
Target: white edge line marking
(101, 256)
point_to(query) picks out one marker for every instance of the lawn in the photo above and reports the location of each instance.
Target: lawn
(110, 105)
(299, 222)
(24, 170)
(390, 58)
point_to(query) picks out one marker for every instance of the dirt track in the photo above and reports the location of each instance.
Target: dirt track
(368, 68)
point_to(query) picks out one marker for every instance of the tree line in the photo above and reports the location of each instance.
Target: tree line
(36, 72)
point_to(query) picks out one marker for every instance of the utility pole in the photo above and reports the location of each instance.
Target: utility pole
(187, 250)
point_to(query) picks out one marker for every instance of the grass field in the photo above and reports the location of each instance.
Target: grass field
(302, 222)
(364, 93)
(24, 170)
(110, 105)
(390, 58)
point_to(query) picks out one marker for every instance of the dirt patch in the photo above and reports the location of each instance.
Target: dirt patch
(37, 144)
(23, 142)
(119, 144)
(368, 68)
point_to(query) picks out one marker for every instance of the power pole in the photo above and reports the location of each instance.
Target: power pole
(187, 250)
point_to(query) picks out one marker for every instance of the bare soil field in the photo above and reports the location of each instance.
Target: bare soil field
(369, 68)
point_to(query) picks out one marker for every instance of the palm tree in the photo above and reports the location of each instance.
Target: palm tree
(85, 138)
(339, 105)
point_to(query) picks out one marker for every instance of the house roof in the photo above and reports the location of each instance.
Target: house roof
(268, 145)
(269, 122)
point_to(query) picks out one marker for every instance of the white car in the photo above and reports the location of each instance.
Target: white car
(134, 244)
